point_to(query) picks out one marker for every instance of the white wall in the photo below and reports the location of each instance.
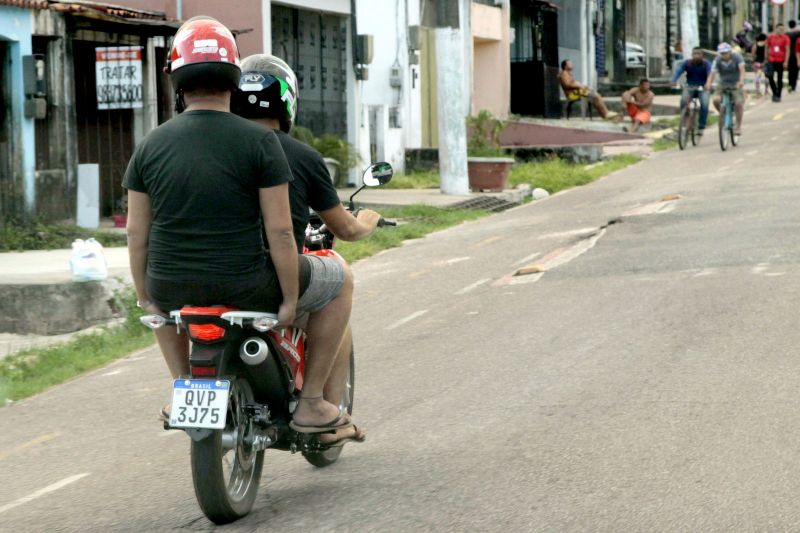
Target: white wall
(388, 21)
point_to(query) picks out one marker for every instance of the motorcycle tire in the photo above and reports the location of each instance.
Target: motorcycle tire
(227, 496)
(327, 457)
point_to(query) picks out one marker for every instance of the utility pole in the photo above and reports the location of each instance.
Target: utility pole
(689, 30)
(450, 69)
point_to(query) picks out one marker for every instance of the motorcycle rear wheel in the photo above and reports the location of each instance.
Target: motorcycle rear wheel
(225, 469)
(329, 456)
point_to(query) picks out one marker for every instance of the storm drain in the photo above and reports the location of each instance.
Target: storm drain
(485, 203)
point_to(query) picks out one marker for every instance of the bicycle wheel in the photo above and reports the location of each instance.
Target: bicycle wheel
(684, 127)
(694, 123)
(732, 130)
(723, 129)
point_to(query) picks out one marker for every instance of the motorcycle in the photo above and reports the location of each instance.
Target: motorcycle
(245, 379)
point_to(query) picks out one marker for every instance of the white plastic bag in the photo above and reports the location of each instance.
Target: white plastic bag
(88, 262)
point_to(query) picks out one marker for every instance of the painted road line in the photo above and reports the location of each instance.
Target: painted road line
(30, 444)
(705, 272)
(472, 287)
(453, 261)
(752, 152)
(571, 233)
(779, 116)
(490, 240)
(417, 274)
(723, 169)
(114, 372)
(740, 160)
(775, 138)
(528, 258)
(41, 492)
(774, 274)
(407, 319)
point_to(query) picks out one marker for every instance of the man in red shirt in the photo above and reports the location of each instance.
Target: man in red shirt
(778, 44)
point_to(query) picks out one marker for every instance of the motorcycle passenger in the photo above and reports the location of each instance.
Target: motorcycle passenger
(697, 70)
(268, 95)
(198, 188)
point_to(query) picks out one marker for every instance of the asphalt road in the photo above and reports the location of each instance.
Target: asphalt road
(648, 380)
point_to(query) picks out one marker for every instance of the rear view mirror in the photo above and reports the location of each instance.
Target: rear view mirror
(378, 174)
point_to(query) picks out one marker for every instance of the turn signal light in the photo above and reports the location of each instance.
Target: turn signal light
(206, 332)
(153, 321)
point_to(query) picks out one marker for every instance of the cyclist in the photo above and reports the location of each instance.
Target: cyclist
(697, 70)
(729, 67)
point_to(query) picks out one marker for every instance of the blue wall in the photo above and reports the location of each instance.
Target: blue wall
(16, 29)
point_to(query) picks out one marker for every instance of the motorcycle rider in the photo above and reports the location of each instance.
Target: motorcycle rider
(198, 187)
(268, 95)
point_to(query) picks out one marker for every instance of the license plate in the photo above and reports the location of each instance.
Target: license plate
(199, 403)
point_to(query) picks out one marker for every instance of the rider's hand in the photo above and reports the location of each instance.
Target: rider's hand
(739, 84)
(708, 86)
(286, 313)
(368, 217)
(150, 308)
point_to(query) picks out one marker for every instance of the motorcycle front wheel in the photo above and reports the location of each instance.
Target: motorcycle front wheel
(225, 468)
(327, 457)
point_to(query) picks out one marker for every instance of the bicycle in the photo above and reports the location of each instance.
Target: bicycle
(726, 120)
(688, 126)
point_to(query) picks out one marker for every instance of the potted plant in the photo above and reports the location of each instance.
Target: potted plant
(487, 163)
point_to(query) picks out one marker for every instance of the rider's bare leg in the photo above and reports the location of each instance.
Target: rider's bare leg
(335, 386)
(739, 117)
(175, 348)
(325, 331)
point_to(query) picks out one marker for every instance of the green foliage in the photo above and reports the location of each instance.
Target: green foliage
(329, 145)
(555, 174)
(39, 236)
(32, 371)
(428, 179)
(484, 135)
(414, 221)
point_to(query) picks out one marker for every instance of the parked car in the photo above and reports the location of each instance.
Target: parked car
(634, 56)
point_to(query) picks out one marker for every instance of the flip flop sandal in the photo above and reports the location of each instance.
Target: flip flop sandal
(357, 436)
(333, 425)
(165, 412)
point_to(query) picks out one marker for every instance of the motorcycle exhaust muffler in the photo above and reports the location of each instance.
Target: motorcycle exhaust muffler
(254, 351)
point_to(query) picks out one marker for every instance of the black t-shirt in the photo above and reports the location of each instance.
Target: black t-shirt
(312, 186)
(202, 171)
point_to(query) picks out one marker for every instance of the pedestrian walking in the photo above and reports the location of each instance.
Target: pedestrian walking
(759, 51)
(778, 44)
(793, 33)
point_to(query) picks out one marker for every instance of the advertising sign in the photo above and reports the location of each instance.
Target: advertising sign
(119, 77)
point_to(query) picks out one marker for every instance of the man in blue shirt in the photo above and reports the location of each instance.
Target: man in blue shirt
(697, 70)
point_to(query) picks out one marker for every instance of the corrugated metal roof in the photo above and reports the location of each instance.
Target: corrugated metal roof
(86, 6)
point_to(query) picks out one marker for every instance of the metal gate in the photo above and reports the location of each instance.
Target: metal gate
(315, 45)
(104, 136)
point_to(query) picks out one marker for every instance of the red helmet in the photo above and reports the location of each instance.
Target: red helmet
(203, 52)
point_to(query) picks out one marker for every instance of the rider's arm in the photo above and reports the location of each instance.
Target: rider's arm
(711, 77)
(274, 203)
(679, 71)
(138, 228)
(347, 227)
(741, 73)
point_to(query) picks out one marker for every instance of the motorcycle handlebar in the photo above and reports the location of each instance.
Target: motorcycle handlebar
(383, 222)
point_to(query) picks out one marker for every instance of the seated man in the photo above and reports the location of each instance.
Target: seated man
(697, 70)
(574, 91)
(267, 95)
(639, 100)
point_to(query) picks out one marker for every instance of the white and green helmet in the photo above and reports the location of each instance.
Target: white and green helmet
(268, 89)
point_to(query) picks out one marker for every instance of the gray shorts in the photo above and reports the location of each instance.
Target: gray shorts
(325, 283)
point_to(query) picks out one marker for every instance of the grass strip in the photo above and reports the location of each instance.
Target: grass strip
(416, 221)
(38, 236)
(31, 371)
(555, 175)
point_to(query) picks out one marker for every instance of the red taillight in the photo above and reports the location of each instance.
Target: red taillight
(206, 332)
(204, 371)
